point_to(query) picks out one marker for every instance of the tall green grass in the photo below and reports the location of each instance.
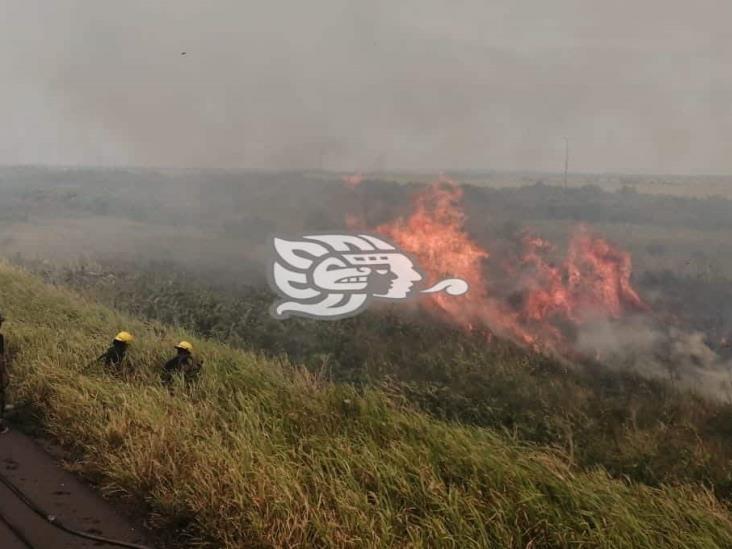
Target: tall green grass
(263, 454)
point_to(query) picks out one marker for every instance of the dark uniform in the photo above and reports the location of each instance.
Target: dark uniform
(183, 363)
(114, 356)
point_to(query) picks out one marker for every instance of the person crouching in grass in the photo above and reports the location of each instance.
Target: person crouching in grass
(114, 357)
(182, 363)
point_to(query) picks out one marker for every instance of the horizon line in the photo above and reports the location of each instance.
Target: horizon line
(386, 172)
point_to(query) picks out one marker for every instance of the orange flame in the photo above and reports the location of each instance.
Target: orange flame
(435, 236)
(601, 273)
(592, 280)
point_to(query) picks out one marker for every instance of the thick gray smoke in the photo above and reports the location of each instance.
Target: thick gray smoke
(415, 84)
(643, 345)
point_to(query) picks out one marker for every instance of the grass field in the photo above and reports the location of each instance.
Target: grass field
(263, 454)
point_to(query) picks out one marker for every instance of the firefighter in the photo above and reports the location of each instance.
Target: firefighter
(4, 379)
(182, 363)
(115, 355)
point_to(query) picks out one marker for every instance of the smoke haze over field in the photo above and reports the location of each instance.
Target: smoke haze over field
(539, 278)
(418, 84)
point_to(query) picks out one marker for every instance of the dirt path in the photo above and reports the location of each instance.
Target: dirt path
(24, 463)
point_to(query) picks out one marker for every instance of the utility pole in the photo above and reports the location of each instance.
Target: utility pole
(566, 160)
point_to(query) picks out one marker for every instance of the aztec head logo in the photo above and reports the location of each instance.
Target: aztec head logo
(334, 276)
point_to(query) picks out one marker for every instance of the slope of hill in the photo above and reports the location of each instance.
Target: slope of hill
(651, 431)
(264, 454)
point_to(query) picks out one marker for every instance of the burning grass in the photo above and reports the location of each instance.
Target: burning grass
(263, 454)
(528, 296)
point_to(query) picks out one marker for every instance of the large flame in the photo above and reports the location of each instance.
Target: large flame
(549, 295)
(434, 234)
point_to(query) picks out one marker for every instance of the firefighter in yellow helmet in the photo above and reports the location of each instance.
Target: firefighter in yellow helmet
(115, 355)
(183, 362)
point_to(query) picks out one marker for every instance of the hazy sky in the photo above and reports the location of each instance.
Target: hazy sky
(636, 85)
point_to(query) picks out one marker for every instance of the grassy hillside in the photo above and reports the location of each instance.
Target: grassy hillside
(650, 431)
(264, 454)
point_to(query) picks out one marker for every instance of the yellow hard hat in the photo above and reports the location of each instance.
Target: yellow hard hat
(123, 337)
(185, 346)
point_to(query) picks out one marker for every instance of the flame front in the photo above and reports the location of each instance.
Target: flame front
(434, 234)
(548, 295)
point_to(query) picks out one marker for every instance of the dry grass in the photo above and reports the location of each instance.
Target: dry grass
(262, 454)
